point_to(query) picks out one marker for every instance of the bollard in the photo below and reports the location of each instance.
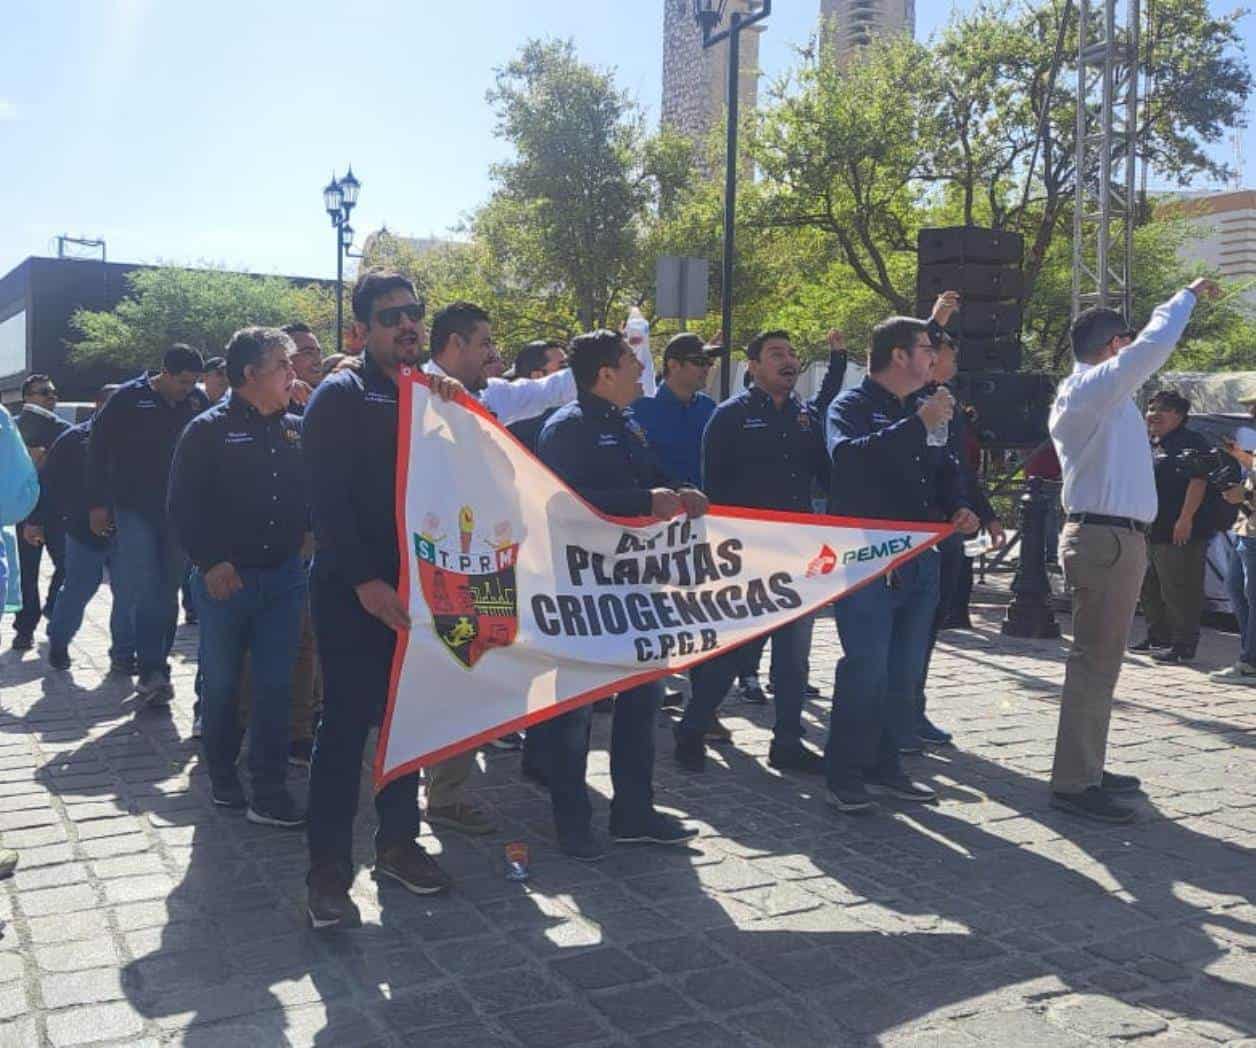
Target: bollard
(1029, 614)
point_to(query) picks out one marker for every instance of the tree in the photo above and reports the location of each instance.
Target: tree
(202, 307)
(565, 220)
(979, 130)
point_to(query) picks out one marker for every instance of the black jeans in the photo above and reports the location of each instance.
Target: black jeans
(29, 559)
(356, 652)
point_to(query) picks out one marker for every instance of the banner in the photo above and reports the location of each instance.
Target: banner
(526, 602)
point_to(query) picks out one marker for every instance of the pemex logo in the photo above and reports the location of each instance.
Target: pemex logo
(822, 563)
(471, 591)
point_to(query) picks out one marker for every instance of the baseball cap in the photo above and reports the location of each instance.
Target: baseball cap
(215, 364)
(688, 346)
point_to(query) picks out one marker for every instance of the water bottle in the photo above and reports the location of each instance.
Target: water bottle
(978, 545)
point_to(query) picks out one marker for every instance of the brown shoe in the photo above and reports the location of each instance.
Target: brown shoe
(412, 868)
(716, 732)
(463, 817)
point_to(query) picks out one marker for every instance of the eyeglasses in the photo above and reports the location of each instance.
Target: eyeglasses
(391, 316)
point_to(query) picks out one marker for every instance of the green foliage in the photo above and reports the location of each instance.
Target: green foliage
(201, 307)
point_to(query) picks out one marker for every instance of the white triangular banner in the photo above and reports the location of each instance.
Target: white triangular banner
(526, 602)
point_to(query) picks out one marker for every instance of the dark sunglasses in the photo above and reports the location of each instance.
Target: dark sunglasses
(391, 316)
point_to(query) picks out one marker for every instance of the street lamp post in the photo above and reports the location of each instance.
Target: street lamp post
(709, 14)
(339, 198)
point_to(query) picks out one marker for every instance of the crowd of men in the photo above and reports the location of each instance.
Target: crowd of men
(264, 481)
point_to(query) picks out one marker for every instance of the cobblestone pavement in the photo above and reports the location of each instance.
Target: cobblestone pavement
(141, 915)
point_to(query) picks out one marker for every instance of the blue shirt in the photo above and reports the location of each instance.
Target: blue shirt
(880, 466)
(239, 491)
(604, 455)
(131, 445)
(675, 430)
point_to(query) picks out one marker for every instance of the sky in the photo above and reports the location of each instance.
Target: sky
(204, 133)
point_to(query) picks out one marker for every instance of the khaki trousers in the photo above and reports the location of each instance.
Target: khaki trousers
(446, 780)
(1173, 593)
(1105, 568)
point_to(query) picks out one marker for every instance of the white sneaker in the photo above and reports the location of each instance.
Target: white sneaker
(1240, 673)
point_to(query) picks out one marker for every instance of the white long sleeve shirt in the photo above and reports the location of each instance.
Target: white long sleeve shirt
(1098, 431)
(524, 398)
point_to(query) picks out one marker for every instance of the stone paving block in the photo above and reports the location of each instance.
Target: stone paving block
(14, 1001)
(643, 1007)
(63, 900)
(49, 876)
(89, 987)
(682, 954)
(692, 1035)
(598, 969)
(416, 1009)
(498, 993)
(104, 847)
(555, 1026)
(728, 988)
(76, 956)
(18, 1033)
(99, 1022)
(1105, 1017)
(87, 924)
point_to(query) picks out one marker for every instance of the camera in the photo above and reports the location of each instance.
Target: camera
(1214, 465)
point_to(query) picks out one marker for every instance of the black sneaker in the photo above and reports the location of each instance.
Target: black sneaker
(124, 667)
(300, 751)
(851, 798)
(412, 868)
(584, 847)
(655, 828)
(690, 751)
(903, 788)
(58, 658)
(1173, 657)
(328, 903)
(1092, 803)
(930, 734)
(1111, 782)
(1148, 644)
(229, 794)
(277, 809)
(23, 641)
(911, 746)
(752, 691)
(795, 758)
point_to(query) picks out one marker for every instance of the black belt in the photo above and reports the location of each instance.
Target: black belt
(1128, 523)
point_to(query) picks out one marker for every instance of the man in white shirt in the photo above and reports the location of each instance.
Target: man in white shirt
(1110, 499)
(462, 346)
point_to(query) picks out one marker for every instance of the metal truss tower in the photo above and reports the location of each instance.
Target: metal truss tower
(1107, 123)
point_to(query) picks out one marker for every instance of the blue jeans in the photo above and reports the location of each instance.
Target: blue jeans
(355, 651)
(565, 740)
(148, 567)
(1240, 581)
(84, 570)
(711, 680)
(885, 635)
(950, 566)
(264, 618)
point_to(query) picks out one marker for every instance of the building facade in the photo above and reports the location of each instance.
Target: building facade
(848, 26)
(1226, 224)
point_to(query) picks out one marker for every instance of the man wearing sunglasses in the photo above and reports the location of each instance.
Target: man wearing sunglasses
(350, 442)
(675, 416)
(39, 427)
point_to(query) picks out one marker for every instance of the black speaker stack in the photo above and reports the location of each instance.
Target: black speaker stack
(984, 266)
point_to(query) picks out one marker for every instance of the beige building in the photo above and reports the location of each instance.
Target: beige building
(849, 25)
(1227, 225)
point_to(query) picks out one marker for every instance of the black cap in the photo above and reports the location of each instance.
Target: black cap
(686, 346)
(215, 364)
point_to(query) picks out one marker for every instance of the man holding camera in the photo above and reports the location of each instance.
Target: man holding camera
(1110, 500)
(1173, 589)
(1241, 577)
